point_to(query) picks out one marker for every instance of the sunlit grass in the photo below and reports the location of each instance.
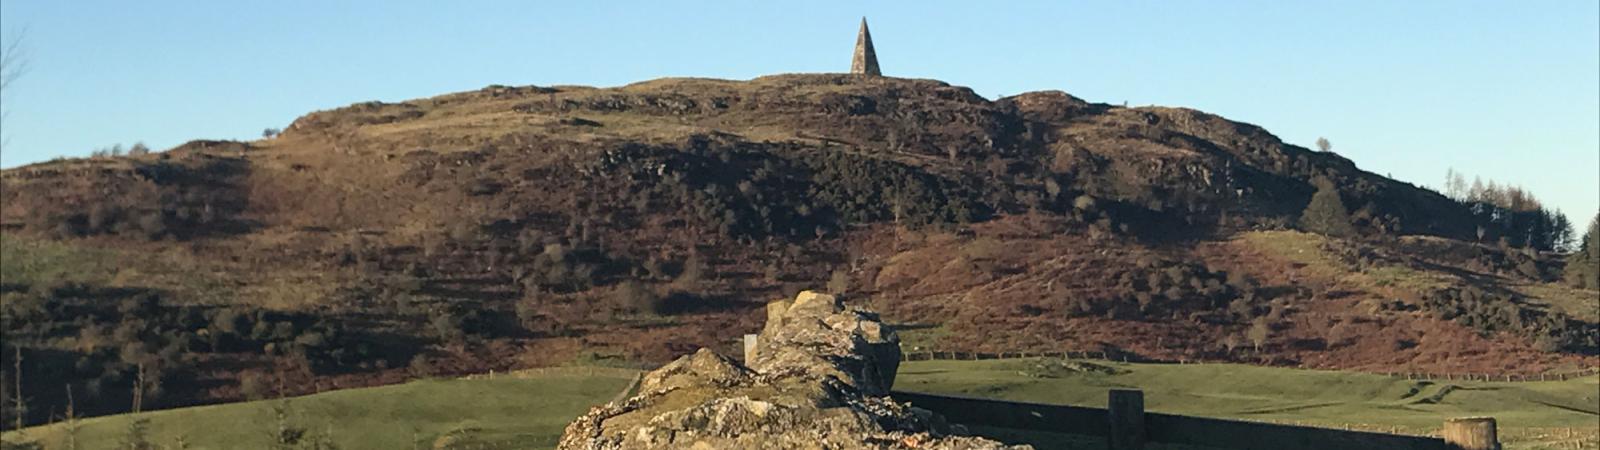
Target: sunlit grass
(503, 413)
(1526, 411)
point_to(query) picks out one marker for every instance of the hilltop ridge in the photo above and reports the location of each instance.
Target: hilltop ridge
(1150, 158)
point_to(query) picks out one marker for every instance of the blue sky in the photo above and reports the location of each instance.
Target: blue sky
(1505, 90)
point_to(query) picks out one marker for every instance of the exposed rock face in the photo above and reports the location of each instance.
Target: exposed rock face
(816, 382)
(813, 331)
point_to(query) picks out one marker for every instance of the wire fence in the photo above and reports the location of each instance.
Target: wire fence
(582, 371)
(932, 355)
(1126, 425)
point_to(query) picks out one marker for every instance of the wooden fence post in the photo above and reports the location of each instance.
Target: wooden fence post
(1125, 410)
(1471, 433)
(749, 349)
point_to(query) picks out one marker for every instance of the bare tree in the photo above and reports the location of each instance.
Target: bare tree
(1449, 182)
(1260, 330)
(1455, 185)
(72, 422)
(13, 63)
(1324, 145)
(13, 60)
(20, 408)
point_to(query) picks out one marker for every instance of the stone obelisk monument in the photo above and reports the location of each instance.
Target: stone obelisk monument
(865, 61)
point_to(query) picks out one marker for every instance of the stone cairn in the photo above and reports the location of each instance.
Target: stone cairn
(818, 378)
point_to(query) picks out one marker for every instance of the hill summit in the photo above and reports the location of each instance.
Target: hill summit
(1040, 149)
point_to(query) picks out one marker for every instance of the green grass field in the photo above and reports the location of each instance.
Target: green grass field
(1531, 415)
(531, 412)
(504, 412)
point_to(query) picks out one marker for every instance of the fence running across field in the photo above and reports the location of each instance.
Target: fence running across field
(1126, 426)
(582, 371)
(1429, 376)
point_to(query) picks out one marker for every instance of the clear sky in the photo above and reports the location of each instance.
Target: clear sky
(1508, 90)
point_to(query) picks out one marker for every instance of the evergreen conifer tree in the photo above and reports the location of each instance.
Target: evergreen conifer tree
(1326, 213)
(1583, 266)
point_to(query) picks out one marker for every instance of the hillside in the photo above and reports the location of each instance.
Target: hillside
(528, 226)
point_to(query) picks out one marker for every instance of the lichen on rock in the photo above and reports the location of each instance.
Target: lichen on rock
(817, 380)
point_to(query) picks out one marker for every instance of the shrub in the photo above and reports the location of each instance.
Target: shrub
(692, 271)
(529, 306)
(533, 316)
(1338, 334)
(561, 269)
(1491, 312)
(1159, 289)
(1080, 307)
(862, 190)
(839, 282)
(634, 297)
(654, 268)
(420, 367)
(448, 327)
(229, 321)
(152, 224)
(254, 386)
(137, 436)
(104, 217)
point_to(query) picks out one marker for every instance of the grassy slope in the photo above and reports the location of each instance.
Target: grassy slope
(1528, 412)
(1305, 248)
(30, 261)
(526, 413)
(1580, 303)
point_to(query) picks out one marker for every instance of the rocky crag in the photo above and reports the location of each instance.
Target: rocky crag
(816, 380)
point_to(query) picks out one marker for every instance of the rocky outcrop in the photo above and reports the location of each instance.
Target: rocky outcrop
(816, 380)
(813, 331)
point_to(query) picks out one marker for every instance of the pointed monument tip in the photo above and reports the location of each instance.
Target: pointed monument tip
(865, 60)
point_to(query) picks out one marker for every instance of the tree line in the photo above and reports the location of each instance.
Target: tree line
(1511, 215)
